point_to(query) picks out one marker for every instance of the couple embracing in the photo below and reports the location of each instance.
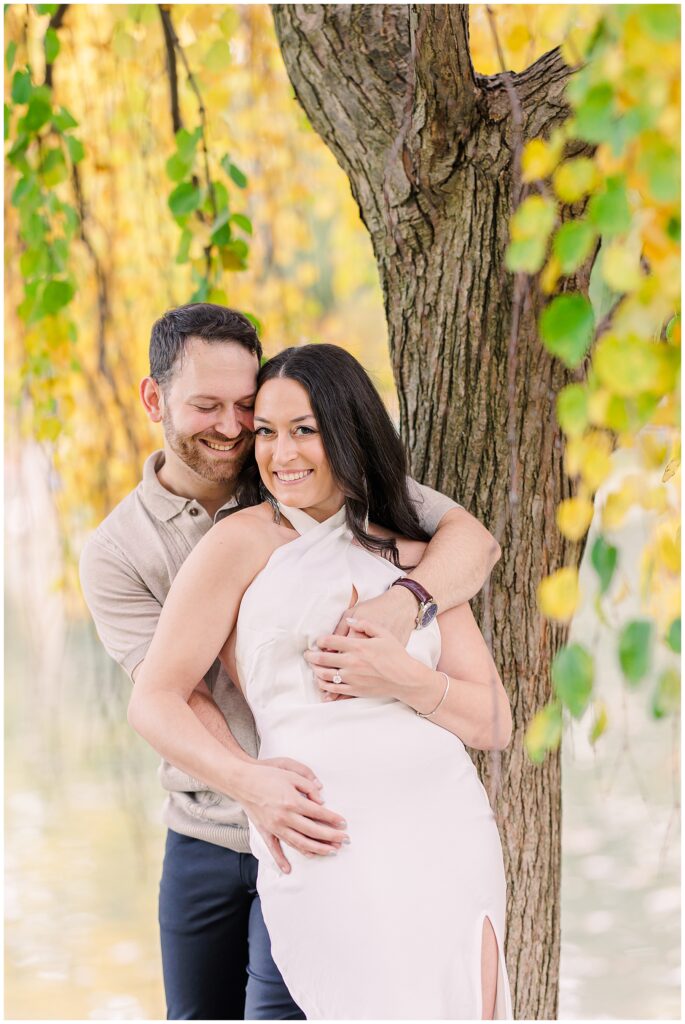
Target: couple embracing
(293, 611)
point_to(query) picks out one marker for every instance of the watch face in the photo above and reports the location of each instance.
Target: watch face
(429, 613)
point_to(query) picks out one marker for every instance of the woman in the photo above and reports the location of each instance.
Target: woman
(407, 919)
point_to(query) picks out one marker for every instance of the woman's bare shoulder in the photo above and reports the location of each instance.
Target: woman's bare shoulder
(410, 551)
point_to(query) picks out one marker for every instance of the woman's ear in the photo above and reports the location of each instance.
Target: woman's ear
(152, 398)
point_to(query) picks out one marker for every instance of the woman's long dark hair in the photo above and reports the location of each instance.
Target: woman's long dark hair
(366, 455)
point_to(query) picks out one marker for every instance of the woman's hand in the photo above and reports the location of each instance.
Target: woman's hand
(371, 661)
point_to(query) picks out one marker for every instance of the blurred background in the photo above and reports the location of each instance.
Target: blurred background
(83, 837)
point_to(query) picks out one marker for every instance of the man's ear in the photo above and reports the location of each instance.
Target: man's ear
(152, 398)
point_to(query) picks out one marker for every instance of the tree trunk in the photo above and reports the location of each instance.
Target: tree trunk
(429, 148)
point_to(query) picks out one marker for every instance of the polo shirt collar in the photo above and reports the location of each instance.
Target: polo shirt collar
(162, 503)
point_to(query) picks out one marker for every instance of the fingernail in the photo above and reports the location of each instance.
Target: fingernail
(346, 840)
(332, 852)
(318, 782)
(342, 824)
(352, 621)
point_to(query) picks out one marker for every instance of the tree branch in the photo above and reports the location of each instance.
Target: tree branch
(172, 72)
(55, 22)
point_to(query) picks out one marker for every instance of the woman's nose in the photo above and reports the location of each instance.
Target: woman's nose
(285, 449)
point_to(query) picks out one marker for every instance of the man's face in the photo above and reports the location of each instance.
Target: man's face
(207, 408)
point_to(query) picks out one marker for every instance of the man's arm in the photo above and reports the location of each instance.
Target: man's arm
(454, 567)
(126, 614)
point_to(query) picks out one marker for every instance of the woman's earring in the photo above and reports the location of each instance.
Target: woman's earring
(266, 495)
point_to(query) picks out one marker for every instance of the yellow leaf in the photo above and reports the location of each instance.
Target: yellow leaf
(621, 267)
(600, 720)
(574, 179)
(667, 546)
(550, 275)
(574, 516)
(534, 218)
(621, 500)
(589, 457)
(654, 499)
(559, 594)
(539, 158)
(672, 468)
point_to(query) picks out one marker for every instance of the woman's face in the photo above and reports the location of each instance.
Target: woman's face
(289, 450)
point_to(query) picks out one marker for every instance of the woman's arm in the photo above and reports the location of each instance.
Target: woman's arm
(373, 664)
(198, 615)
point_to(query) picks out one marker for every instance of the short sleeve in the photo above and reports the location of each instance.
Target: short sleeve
(125, 612)
(431, 505)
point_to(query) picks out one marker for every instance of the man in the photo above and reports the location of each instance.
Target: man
(215, 949)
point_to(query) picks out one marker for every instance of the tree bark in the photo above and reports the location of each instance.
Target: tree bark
(429, 147)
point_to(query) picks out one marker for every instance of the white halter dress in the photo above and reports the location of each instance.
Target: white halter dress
(391, 926)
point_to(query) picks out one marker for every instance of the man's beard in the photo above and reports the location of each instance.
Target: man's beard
(191, 451)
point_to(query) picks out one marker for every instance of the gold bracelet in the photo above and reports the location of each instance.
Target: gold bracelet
(441, 701)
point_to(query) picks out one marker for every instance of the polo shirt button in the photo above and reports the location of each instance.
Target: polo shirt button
(194, 511)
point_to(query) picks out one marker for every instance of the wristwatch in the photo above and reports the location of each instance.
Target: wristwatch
(428, 609)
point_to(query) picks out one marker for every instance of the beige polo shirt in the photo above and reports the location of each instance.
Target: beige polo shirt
(127, 567)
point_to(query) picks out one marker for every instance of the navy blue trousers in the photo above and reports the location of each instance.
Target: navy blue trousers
(216, 953)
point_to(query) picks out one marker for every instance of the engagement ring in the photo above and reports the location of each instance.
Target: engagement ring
(337, 678)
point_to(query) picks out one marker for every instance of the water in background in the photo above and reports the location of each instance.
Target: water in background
(84, 841)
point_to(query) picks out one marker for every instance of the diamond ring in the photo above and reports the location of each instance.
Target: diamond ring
(337, 678)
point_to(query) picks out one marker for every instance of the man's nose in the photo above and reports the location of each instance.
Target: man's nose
(228, 424)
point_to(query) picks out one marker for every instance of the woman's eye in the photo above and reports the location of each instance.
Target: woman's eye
(307, 430)
(262, 432)
(206, 408)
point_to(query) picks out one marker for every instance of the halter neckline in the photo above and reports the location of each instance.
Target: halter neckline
(303, 522)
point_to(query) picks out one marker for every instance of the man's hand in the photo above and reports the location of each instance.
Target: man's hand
(282, 799)
(395, 610)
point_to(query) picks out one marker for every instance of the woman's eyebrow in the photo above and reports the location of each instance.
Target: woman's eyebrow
(298, 419)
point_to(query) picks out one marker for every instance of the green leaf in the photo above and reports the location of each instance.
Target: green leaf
(51, 43)
(10, 54)
(544, 732)
(566, 327)
(184, 199)
(177, 168)
(596, 116)
(673, 229)
(33, 262)
(186, 143)
(609, 210)
(75, 147)
(234, 173)
(661, 164)
(21, 87)
(7, 121)
(220, 196)
(183, 254)
(604, 558)
(56, 295)
(634, 648)
(660, 21)
(572, 676)
(63, 120)
(218, 57)
(243, 222)
(572, 244)
(572, 409)
(38, 113)
(221, 231)
(54, 168)
(526, 255)
(24, 187)
(59, 254)
(666, 697)
(673, 636)
(46, 9)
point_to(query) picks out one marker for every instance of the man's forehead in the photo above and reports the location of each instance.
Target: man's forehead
(216, 367)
